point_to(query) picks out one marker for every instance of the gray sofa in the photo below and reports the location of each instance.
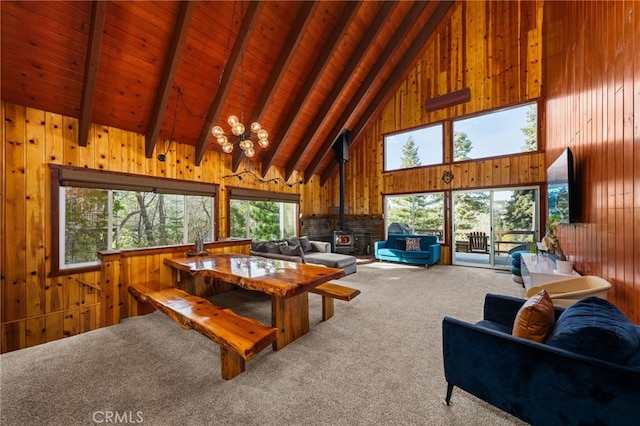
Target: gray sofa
(304, 250)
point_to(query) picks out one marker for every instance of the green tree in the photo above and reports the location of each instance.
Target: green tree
(518, 211)
(420, 212)
(410, 157)
(265, 220)
(462, 146)
(531, 130)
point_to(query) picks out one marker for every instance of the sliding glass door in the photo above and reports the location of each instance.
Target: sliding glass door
(489, 223)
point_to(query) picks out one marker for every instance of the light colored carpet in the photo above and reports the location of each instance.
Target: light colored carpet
(377, 361)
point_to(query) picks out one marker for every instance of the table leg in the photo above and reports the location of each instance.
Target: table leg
(291, 317)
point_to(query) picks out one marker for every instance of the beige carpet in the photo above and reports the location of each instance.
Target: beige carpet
(377, 361)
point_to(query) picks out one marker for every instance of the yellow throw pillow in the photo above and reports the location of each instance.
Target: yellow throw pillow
(535, 319)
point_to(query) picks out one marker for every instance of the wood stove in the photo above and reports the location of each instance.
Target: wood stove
(344, 242)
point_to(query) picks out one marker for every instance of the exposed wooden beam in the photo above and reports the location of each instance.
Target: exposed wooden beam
(176, 45)
(346, 17)
(401, 69)
(240, 45)
(98, 16)
(279, 68)
(365, 86)
(365, 44)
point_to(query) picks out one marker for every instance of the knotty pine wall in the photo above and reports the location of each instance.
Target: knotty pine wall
(36, 308)
(494, 49)
(593, 106)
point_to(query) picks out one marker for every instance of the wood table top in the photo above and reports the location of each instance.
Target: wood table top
(271, 276)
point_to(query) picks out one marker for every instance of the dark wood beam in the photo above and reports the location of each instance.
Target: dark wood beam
(279, 68)
(346, 17)
(373, 75)
(363, 47)
(98, 16)
(230, 70)
(176, 45)
(389, 86)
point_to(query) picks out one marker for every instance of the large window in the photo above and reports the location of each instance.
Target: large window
(106, 211)
(507, 131)
(414, 148)
(263, 215)
(421, 214)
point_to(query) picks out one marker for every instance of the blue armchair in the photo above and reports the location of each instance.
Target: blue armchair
(541, 383)
(394, 249)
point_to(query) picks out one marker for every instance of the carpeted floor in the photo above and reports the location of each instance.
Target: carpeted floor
(377, 361)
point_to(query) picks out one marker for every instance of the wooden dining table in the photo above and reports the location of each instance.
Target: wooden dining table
(288, 284)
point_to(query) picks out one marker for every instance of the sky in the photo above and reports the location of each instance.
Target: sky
(492, 134)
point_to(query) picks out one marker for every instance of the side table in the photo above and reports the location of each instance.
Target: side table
(538, 269)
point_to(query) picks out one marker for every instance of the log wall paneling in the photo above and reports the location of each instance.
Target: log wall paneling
(593, 99)
(36, 308)
(492, 48)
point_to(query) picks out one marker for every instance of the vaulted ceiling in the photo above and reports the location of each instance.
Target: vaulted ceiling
(169, 69)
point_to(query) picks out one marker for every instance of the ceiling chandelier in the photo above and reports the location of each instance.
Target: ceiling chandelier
(244, 140)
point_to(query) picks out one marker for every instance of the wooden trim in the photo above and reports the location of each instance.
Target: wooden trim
(374, 74)
(246, 29)
(169, 74)
(366, 43)
(347, 16)
(98, 17)
(279, 69)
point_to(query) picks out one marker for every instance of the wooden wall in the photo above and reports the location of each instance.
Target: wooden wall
(36, 308)
(593, 106)
(494, 49)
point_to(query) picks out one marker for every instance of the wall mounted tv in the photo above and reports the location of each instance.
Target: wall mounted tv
(560, 188)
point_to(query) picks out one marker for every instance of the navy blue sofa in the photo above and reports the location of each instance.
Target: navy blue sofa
(394, 249)
(545, 383)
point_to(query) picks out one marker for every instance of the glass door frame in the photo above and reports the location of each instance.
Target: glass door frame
(491, 260)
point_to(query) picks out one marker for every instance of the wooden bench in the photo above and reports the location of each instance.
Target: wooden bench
(331, 291)
(240, 338)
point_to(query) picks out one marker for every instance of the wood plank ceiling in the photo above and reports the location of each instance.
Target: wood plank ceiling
(168, 69)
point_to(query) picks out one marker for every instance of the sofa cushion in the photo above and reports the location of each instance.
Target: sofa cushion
(413, 243)
(291, 250)
(274, 246)
(401, 244)
(332, 260)
(390, 252)
(305, 244)
(595, 327)
(260, 246)
(415, 254)
(535, 318)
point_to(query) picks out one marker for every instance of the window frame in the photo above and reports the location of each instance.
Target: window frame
(245, 194)
(490, 112)
(91, 178)
(385, 151)
(441, 239)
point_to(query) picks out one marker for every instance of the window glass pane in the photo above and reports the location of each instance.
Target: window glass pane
(418, 147)
(266, 220)
(239, 219)
(289, 220)
(85, 228)
(421, 214)
(507, 131)
(199, 214)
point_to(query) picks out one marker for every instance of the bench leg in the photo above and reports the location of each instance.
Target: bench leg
(231, 364)
(327, 307)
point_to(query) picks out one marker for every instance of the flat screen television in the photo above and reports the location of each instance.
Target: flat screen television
(560, 188)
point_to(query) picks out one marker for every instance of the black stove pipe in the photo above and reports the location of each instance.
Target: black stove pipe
(341, 146)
